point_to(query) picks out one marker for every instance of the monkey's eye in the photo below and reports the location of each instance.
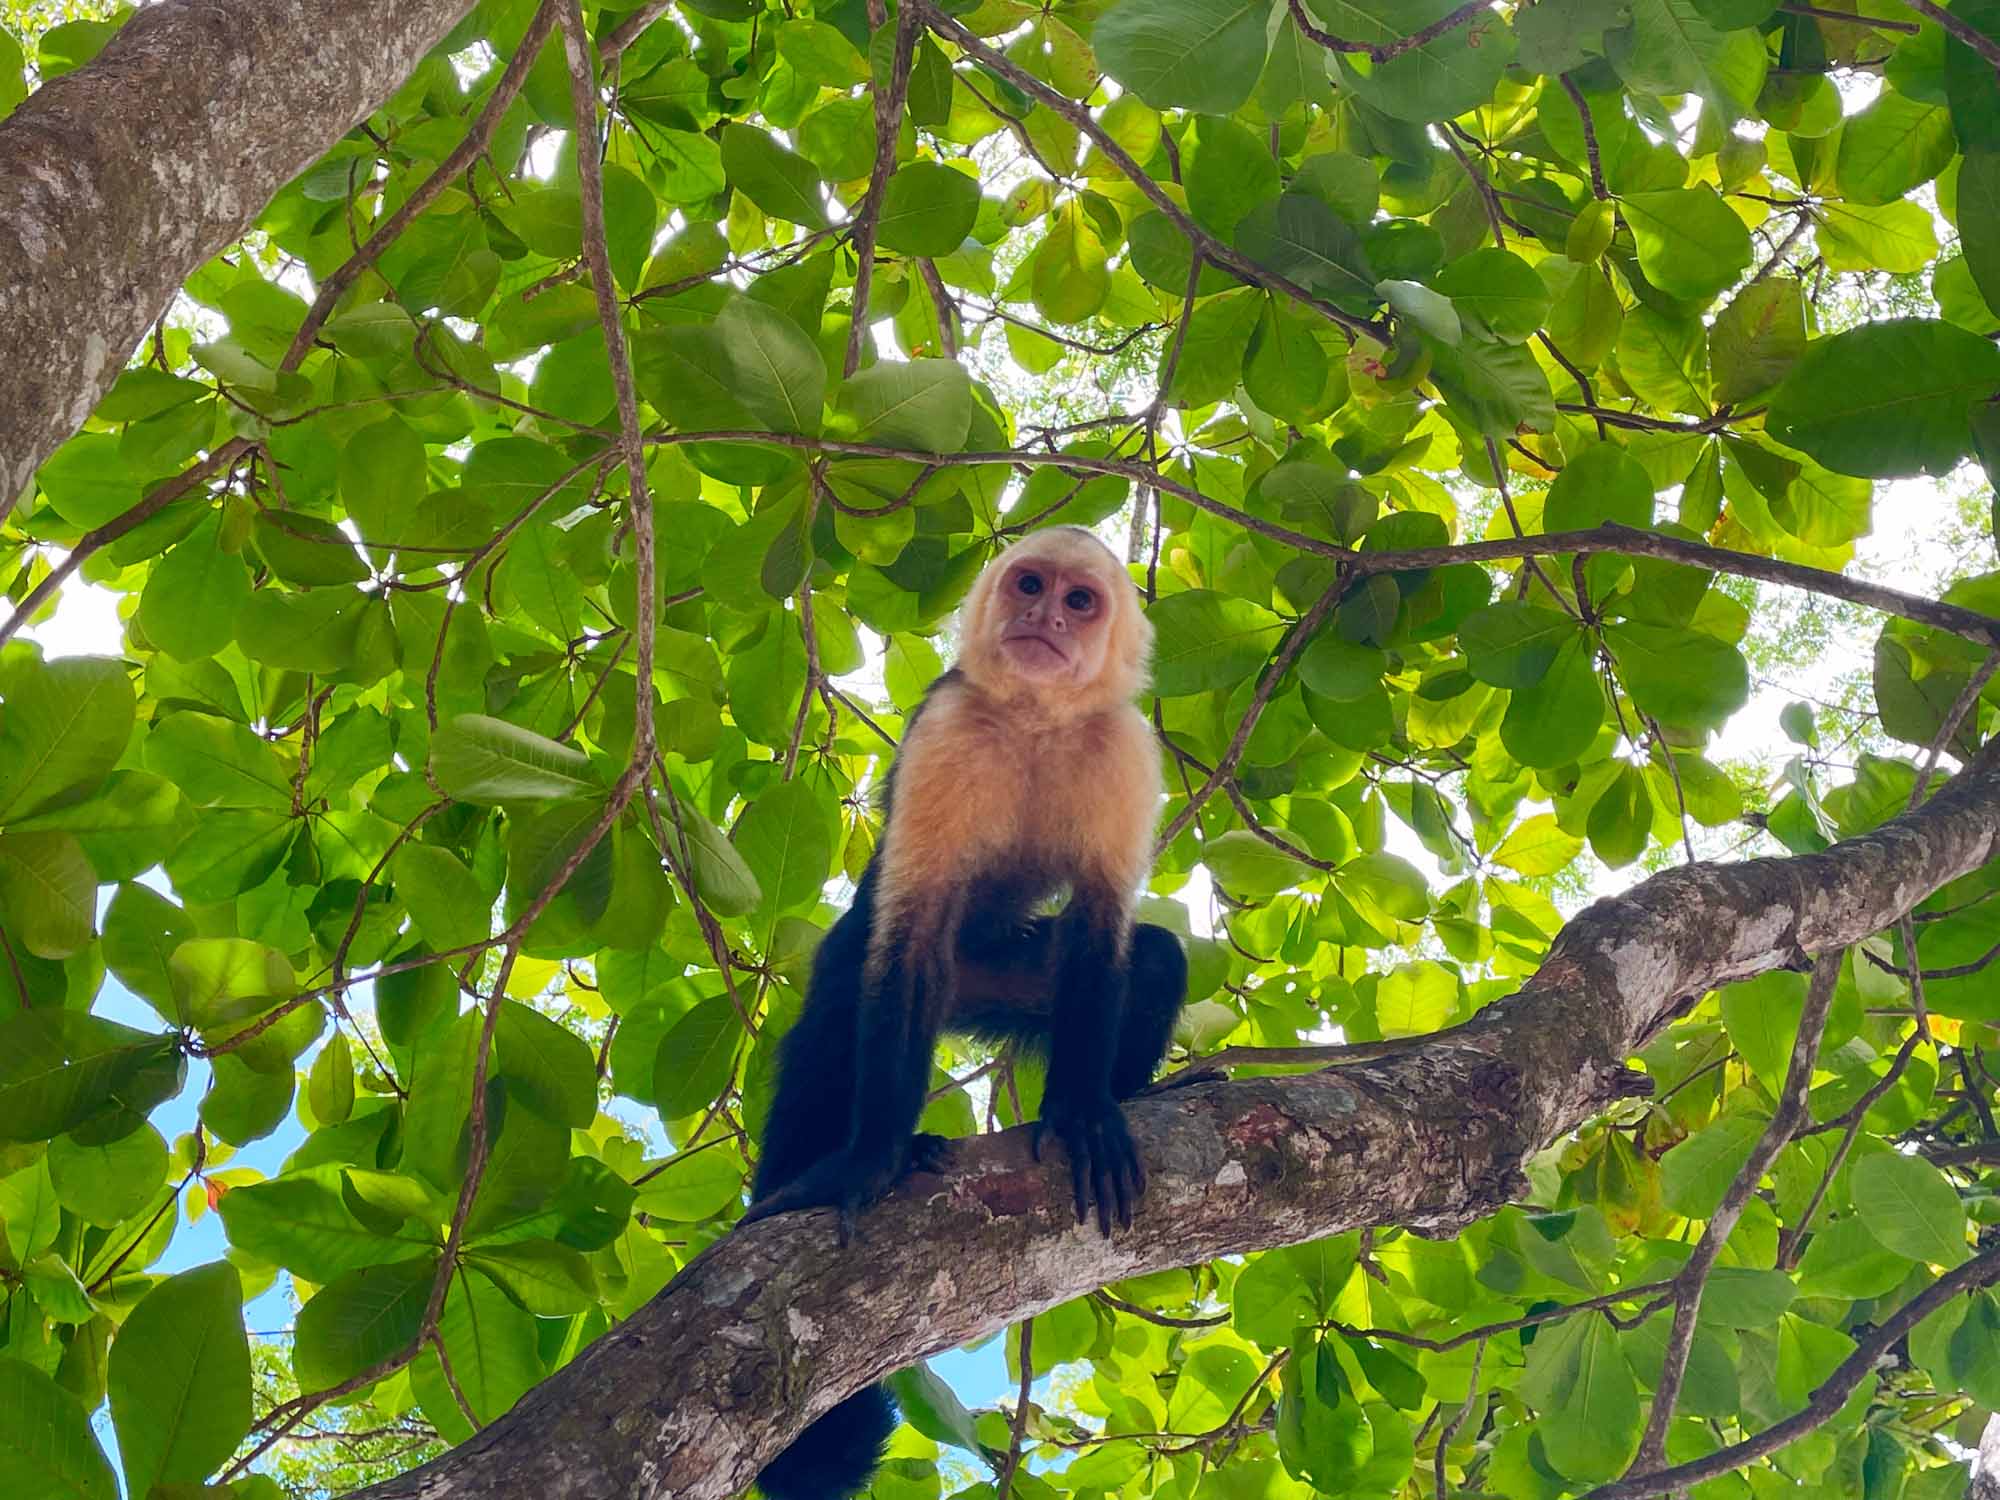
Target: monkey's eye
(1029, 583)
(1080, 600)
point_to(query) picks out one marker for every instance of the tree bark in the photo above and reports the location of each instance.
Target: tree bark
(118, 180)
(774, 1324)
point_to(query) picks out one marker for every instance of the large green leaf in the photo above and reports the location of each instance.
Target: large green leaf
(1888, 398)
(62, 728)
(481, 759)
(46, 1445)
(1201, 55)
(180, 1379)
(775, 178)
(924, 406)
(1691, 244)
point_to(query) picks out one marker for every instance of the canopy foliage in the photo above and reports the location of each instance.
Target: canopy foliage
(528, 544)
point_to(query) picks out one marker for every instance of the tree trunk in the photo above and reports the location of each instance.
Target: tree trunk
(773, 1325)
(118, 180)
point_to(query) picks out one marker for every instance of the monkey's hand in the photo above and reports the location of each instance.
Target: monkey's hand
(1104, 1165)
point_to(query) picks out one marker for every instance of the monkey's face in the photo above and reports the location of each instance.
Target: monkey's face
(1053, 616)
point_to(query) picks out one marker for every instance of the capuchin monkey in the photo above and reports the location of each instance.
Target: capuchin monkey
(1027, 770)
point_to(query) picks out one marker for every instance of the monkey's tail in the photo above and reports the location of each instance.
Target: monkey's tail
(836, 1456)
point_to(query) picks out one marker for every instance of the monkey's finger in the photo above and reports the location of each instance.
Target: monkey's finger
(1109, 1191)
(1127, 1192)
(1079, 1182)
(1035, 1140)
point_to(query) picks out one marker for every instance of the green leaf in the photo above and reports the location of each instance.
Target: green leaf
(179, 1379)
(924, 406)
(928, 209)
(1440, 80)
(1757, 339)
(360, 1319)
(1910, 1207)
(1230, 172)
(301, 1222)
(1204, 640)
(1894, 145)
(779, 375)
(1886, 399)
(444, 900)
(1671, 48)
(775, 178)
(481, 759)
(1303, 240)
(1601, 482)
(1250, 869)
(58, 1068)
(46, 1445)
(1554, 721)
(1691, 244)
(1069, 279)
(189, 605)
(1513, 645)
(1682, 677)
(549, 1067)
(542, 1277)
(696, 1058)
(1498, 288)
(786, 841)
(1200, 55)
(330, 1086)
(48, 892)
(64, 726)
(107, 1182)
(228, 979)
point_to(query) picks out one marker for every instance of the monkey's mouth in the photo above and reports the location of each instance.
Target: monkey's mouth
(1034, 651)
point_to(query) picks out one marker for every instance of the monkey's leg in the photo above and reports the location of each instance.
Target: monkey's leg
(1155, 992)
(815, 1095)
(1088, 1023)
(895, 1037)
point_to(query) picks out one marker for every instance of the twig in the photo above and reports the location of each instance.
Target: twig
(888, 120)
(1597, 187)
(1954, 716)
(1790, 1113)
(1960, 28)
(1824, 1402)
(1281, 665)
(1003, 1484)
(1381, 52)
(461, 157)
(1078, 115)
(99, 537)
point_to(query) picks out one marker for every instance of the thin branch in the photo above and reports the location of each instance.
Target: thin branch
(1831, 1395)
(461, 157)
(1958, 27)
(888, 121)
(1597, 187)
(1281, 666)
(1693, 1277)
(100, 537)
(1381, 52)
(1954, 716)
(1078, 115)
(1003, 1484)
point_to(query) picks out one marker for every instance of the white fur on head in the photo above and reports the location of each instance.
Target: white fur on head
(1128, 648)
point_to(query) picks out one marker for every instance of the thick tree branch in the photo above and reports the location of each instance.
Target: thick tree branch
(774, 1324)
(119, 179)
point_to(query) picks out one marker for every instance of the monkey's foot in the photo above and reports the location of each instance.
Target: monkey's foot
(931, 1153)
(1104, 1165)
(843, 1182)
(1187, 1077)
